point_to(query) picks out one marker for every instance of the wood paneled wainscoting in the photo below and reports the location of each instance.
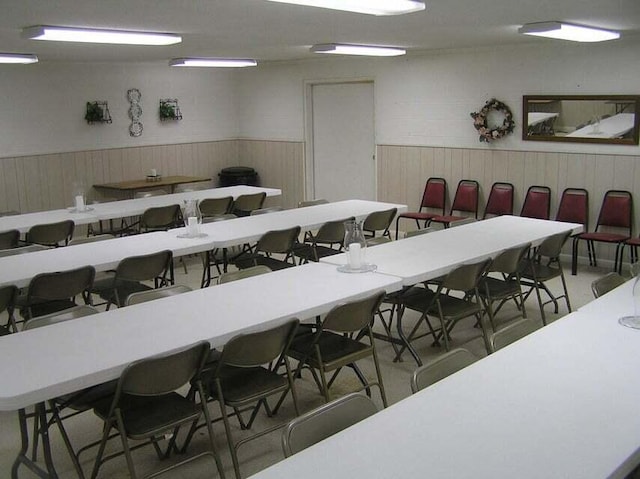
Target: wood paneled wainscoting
(403, 170)
(44, 182)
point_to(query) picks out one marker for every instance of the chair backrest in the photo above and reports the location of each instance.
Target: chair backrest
(511, 333)
(262, 347)
(441, 367)
(465, 277)
(278, 241)
(466, 197)
(354, 315)
(160, 375)
(167, 291)
(616, 210)
(9, 239)
(51, 234)
(160, 217)
(574, 207)
(8, 295)
(606, 283)
(500, 201)
(264, 211)
(75, 312)
(537, 203)
(245, 204)
(325, 421)
(379, 221)
(60, 284)
(508, 261)
(22, 250)
(419, 232)
(319, 201)
(91, 239)
(435, 194)
(332, 232)
(145, 267)
(552, 246)
(215, 206)
(149, 193)
(243, 273)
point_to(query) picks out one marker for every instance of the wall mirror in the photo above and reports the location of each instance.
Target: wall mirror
(581, 118)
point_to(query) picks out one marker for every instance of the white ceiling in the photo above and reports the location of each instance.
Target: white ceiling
(270, 31)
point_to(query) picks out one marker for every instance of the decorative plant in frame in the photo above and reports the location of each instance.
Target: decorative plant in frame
(97, 112)
(169, 109)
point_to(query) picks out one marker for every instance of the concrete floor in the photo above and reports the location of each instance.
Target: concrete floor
(267, 450)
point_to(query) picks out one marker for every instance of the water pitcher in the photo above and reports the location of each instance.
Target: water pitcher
(192, 217)
(355, 243)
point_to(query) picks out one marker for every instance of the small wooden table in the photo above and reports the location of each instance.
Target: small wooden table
(131, 186)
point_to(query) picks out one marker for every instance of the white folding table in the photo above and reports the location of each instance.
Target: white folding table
(104, 255)
(44, 363)
(612, 127)
(122, 209)
(562, 402)
(424, 257)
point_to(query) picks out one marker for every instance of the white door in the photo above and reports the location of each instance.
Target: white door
(343, 141)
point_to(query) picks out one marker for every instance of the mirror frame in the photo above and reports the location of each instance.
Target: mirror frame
(632, 99)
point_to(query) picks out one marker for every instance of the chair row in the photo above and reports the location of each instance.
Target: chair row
(614, 225)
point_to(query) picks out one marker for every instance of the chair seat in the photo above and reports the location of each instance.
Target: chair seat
(448, 219)
(418, 215)
(417, 298)
(46, 307)
(306, 252)
(242, 385)
(336, 350)
(498, 288)
(543, 273)
(604, 237)
(124, 289)
(271, 263)
(89, 397)
(453, 308)
(633, 242)
(143, 415)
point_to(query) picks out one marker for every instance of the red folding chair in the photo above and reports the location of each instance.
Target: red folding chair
(465, 201)
(500, 201)
(615, 215)
(574, 208)
(433, 197)
(537, 202)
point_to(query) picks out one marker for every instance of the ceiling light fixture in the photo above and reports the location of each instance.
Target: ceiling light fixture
(567, 31)
(363, 50)
(371, 7)
(213, 62)
(91, 35)
(22, 58)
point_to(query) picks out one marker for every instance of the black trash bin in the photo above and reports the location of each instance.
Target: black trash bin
(238, 175)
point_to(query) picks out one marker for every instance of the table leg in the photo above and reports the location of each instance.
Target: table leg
(39, 415)
(405, 341)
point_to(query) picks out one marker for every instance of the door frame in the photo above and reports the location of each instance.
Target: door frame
(308, 168)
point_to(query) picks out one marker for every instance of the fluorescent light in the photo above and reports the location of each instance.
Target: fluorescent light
(371, 7)
(567, 31)
(91, 35)
(22, 58)
(364, 50)
(213, 62)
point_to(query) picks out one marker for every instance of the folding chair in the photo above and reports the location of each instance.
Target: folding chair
(500, 201)
(434, 197)
(464, 201)
(444, 365)
(537, 203)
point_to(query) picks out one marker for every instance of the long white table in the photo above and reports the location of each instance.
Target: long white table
(44, 363)
(612, 127)
(105, 255)
(432, 255)
(122, 209)
(562, 402)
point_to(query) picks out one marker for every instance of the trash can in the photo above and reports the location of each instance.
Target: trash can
(238, 175)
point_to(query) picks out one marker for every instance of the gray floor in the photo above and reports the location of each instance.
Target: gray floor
(267, 450)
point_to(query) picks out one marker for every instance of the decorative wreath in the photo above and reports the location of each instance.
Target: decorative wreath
(489, 133)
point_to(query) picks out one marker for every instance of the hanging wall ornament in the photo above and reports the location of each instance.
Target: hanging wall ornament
(493, 121)
(135, 111)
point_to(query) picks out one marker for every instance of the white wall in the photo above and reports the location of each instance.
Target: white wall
(42, 106)
(426, 99)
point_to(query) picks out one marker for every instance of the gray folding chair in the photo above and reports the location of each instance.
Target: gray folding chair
(319, 201)
(606, 283)
(152, 294)
(8, 296)
(280, 242)
(245, 204)
(9, 239)
(378, 222)
(51, 234)
(325, 421)
(243, 273)
(326, 242)
(441, 367)
(511, 333)
(215, 207)
(146, 405)
(338, 342)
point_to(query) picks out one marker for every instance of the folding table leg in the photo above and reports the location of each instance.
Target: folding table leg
(405, 340)
(39, 415)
